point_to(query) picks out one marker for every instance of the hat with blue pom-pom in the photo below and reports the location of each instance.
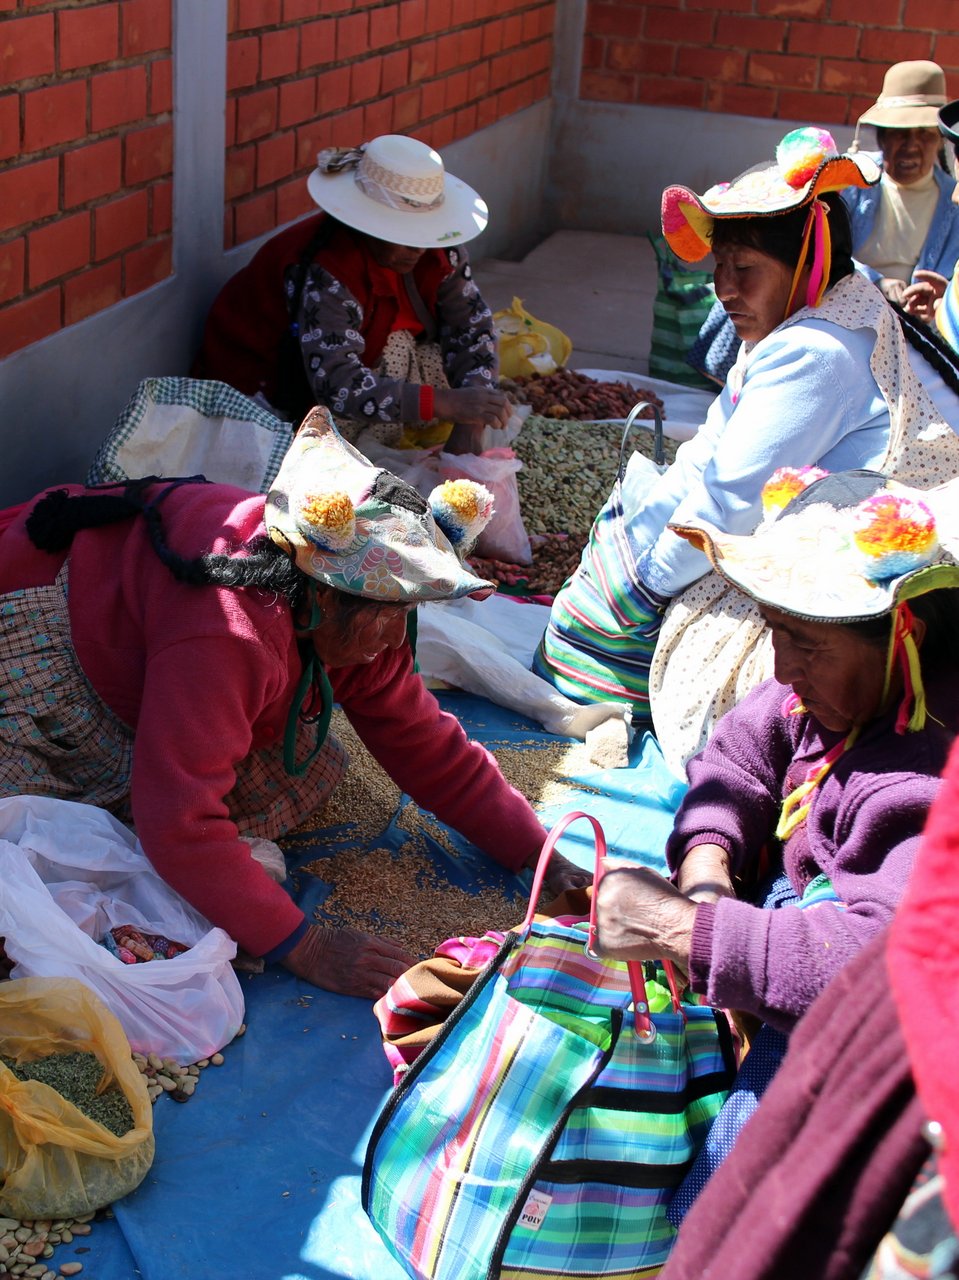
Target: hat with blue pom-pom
(356, 527)
(807, 164)
(846, 546)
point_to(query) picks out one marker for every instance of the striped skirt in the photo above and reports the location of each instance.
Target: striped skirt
(604, 622)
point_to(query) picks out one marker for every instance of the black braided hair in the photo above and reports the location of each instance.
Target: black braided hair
(59, 515)
(933, 348)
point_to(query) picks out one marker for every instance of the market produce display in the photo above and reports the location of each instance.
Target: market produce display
(567, 394)
(569, 468)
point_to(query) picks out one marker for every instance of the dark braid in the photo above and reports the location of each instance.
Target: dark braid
(59, 515)
(933, 348)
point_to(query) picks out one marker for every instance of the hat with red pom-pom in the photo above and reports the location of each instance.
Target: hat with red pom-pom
(360, 529)
(807, 164)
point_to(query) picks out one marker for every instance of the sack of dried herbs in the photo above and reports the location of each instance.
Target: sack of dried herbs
(76, 1126)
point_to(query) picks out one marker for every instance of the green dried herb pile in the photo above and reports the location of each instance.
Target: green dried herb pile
(77, 1077)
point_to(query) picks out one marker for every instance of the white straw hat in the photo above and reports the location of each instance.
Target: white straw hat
(396, 189)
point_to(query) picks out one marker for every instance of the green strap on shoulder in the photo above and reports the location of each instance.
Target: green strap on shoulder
(314, 676)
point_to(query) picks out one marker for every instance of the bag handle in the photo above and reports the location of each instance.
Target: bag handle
(659, 452)
(645, 1028)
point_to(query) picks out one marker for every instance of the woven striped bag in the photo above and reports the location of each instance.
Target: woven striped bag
(543, 1131)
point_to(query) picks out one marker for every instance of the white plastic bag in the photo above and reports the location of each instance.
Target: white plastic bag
(68, 873)
(453, 646)
(505, 537)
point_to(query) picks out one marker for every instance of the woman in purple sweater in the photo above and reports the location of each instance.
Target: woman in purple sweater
(829, 769)
(172, 652)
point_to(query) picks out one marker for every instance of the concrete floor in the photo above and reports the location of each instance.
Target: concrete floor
(597, 287)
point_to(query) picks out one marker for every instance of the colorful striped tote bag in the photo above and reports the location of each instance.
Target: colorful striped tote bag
(543, 1131)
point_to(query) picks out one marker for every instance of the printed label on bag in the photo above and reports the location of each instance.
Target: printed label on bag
(534, 1210)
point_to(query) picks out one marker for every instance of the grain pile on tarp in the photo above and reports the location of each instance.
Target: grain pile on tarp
(400, 893)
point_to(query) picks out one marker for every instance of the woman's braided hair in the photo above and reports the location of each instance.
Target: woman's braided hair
(59, 515)
(932, 346)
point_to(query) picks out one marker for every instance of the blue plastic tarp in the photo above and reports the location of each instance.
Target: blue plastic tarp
(257, 1177)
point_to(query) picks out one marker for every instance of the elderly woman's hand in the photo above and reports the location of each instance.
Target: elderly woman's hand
(641, 916)
(921, 298)
(472, 406)
(561, 875)
(891, 289)
(347, 961)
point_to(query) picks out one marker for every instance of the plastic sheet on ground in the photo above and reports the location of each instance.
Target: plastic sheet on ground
(258, 1175)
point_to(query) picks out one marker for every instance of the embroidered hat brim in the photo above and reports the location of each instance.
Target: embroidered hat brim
(806, 562)
(688, 218)
(356, 527)
(461, 217)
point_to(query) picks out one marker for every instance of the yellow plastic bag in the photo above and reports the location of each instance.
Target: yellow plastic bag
(526, 345)
(55, 1162)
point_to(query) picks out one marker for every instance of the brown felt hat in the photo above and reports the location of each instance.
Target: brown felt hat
(911, 95)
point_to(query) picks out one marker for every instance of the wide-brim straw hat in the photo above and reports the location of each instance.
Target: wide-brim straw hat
(356, 527)
(396, 189)
(912, 94)
(847, 547)
(807, 164)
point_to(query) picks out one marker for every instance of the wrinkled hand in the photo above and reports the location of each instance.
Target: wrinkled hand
(561, 874)
(347, 961)
(921, 297)
(472, 406)
(641, 916)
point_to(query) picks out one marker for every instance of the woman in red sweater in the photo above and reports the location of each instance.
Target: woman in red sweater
(172, 651)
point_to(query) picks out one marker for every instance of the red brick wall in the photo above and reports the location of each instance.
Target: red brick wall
(820, 61)
(307, 74)
(86, 159)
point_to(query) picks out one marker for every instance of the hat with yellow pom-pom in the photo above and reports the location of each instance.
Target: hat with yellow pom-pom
(807, 163)
(356, 527)
(785, 484)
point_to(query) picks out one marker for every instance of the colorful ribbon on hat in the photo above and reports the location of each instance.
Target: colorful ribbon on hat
(817, 230)
(793, 811)
(903, 649)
